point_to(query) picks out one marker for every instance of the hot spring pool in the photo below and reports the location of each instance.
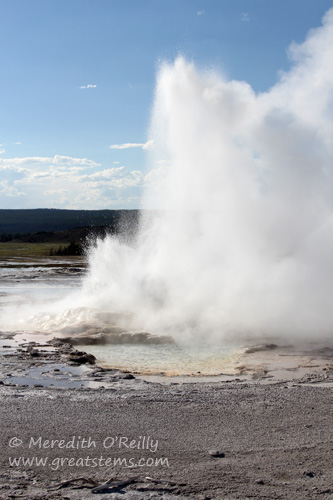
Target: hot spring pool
(166, 359)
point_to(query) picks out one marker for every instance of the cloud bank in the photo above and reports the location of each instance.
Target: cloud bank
(68, 182)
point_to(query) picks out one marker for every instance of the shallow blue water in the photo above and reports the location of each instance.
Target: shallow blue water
(167, 359)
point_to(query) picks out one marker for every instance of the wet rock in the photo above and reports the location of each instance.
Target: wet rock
(56, 342)
(91, 334)
(260, 347)
(216, 453)
(97, 375)
(126, 376)
(82, 358)
(116, 335)
(34, 353)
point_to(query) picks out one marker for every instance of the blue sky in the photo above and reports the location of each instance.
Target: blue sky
(78, 76)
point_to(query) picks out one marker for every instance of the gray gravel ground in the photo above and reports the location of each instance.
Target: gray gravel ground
(276, 440)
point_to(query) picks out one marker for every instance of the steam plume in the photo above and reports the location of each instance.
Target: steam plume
(244, 240)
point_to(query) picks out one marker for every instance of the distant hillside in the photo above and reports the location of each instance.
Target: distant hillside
(50, 220)
(77, 234)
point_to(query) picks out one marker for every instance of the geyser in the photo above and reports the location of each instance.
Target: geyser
(241, 242)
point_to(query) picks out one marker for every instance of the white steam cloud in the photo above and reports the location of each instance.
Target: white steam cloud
(244, 242)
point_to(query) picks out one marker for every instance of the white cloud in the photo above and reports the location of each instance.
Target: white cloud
(16, 143)
(68, 160)
(67, 182)
(9, 191)
(9, 177)
(106, 174)
(200, 12)
(119, 178)
(2, 151)
(128, 145)
(56, 191)
(47, 161)
(245, 17)
(89, 86)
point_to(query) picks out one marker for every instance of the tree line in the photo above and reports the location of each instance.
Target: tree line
(4, 237)
(71, 249)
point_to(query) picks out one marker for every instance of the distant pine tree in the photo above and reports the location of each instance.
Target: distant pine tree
(71, 249)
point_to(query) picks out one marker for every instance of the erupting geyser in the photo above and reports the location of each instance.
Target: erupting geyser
(242, 241)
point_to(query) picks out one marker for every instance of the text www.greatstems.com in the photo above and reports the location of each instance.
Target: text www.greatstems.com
(56, 463)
